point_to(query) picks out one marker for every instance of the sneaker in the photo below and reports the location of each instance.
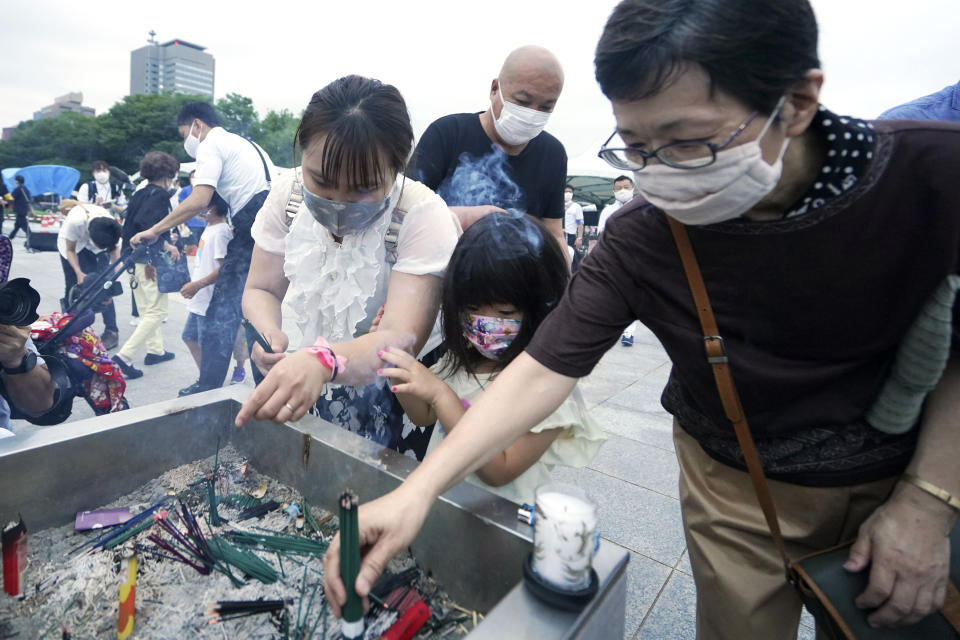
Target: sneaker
(134, 321)
(110, 340)
(626, 340)
(189, 391)
(239, 375)
(154, 358)
(129, 371)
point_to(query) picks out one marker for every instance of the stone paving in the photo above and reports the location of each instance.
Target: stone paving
(633, 479)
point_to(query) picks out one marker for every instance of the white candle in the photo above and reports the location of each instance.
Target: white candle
(564, 536)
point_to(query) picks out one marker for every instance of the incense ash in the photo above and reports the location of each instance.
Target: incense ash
(250, 568)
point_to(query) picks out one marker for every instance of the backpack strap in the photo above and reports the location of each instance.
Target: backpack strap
(92, 191)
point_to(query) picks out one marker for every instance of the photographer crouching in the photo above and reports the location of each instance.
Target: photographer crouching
(27, 388)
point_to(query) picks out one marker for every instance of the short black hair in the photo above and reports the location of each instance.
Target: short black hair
(157, 165)
(219, 204)
(622, 177)
(367, 129)
(753, 50)
(99, 165)
(501, 258)
(202, 111)
(18, 179)
(104, 232)
(568, 186)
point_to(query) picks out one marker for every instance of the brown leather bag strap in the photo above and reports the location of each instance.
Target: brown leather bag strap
(717, 357)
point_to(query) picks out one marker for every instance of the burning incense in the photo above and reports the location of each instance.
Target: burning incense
(352, 625)
(128, 592)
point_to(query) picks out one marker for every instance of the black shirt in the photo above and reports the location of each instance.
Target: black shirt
(21, 200)
(812, 308)
(457, 159)
(147, 207)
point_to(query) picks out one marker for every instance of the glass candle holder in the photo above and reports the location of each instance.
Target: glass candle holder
(564, 536)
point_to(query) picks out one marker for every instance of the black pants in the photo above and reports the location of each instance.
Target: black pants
(223, 315)
(91, 263)
(21, 223)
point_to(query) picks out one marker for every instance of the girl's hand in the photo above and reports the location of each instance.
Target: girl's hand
(278, 342)
(288, 391)
(409, 376)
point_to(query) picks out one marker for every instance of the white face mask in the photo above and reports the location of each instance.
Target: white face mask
(102, 177)
(724, 190)
(567, 197)
(191, 143)
(518, 125)
(623, 196)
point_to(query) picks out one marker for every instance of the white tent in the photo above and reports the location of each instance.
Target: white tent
(588, 164)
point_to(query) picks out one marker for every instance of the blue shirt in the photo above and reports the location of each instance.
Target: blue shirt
(942, 105)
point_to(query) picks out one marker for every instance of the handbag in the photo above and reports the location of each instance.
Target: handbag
(825, 588)
(171, 276)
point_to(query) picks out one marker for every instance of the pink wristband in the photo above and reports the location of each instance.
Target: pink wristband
(321, 348)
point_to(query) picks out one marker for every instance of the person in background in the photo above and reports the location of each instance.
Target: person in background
(623, 192)
(101, 190)
(504, 277)
(88, 241)
(147, 207)
(241, 172)
(25, 381)
(942, 105)
(363, 237)
(194, 224)
(22, 209)
(573, 224)
(821, 239)
(528, 166)
(211, 252)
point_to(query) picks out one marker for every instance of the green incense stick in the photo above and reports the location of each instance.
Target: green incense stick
(352, 625)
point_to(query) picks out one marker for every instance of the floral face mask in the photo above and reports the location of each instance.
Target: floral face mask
(490, 335)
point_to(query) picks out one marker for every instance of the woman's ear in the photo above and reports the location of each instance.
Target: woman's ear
(802, 103)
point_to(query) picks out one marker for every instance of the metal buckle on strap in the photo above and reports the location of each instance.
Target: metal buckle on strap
(715, 356)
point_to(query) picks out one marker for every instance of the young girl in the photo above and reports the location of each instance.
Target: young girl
(504, 277)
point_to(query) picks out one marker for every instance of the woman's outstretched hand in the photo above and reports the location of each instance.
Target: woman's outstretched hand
(387, 527)
(288, 391)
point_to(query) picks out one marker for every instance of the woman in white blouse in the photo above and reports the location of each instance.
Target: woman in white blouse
(339, 237)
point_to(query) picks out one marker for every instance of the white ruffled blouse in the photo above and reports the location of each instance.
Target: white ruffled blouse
(337, 289)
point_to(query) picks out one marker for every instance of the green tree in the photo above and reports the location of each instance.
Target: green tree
(275, 134)
(69, 139)
(237, 115)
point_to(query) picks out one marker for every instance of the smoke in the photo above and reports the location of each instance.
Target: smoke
(483, 181)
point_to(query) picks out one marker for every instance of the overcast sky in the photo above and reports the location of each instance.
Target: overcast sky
(441, 54)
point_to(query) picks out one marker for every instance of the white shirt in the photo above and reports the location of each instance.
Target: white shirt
(231, 165)
(608, 211)
(336, 289)
(211, 249)
(572, 217)
(575, 446)
(103, 190)
(75, 227)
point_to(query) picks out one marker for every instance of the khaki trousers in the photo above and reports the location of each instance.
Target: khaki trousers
(152, 306)
(741, 589)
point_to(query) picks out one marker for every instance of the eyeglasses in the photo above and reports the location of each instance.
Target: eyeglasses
(687, 154)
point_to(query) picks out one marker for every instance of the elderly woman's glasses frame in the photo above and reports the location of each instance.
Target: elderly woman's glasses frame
(687, 154)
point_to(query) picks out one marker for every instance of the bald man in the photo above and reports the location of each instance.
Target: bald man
(502, 159)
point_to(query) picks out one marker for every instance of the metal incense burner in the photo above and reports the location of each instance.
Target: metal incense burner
(471, 541)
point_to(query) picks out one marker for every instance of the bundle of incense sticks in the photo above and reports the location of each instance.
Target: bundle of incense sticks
(225, 610)
(122, 531)
(352, 624)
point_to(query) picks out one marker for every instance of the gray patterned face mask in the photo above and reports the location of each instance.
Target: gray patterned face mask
(343, 218)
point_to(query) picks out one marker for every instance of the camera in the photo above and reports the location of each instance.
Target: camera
(18, 302)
